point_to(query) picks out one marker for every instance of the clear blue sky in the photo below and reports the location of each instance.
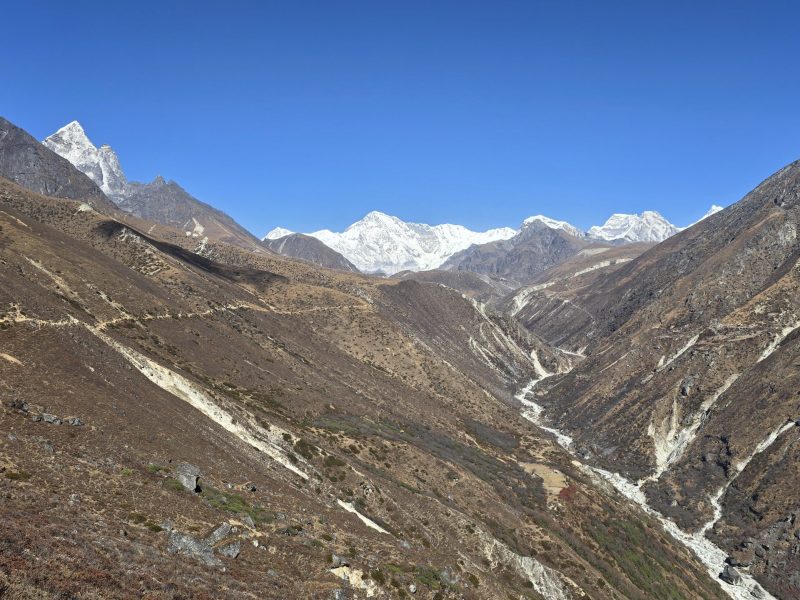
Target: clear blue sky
(311, 114)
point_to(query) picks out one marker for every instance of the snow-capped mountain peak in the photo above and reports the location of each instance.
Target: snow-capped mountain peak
(715, 208)
(74, 132)
(278, 233)
(100, 164)
(648, 226)
(385, 243)
(553, 224)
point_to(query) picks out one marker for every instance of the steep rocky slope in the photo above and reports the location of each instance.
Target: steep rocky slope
(689, 386)
(167, 203)
(475, 285)
(357, 435)
(552, 304)
(536, 248)
(28, 163)
(310, 249)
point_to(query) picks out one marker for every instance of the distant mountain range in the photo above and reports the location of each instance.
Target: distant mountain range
(378, 243)
(382, 243)
(387, 244)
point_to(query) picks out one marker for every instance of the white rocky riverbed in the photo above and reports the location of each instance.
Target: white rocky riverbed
(707, 552)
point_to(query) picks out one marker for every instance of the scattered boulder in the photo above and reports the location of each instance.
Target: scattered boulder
(231, 550)
(412, 588)
(203, 550)
(339, 561)
(46, 445)
(219, 534)
(687, 385)
(19, 404)
(367, 488)
(730, 575)
(248, 520)
(38, 417)
(290, 531)
(52, 419)
(188, 476)
(739, 562)
(182, 543)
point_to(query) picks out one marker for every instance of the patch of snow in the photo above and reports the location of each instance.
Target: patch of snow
(521, 297)
(711, 211)
(554, 224)
(277, 233)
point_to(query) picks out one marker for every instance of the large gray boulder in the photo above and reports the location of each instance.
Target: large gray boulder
(730, 575)
(188, 476)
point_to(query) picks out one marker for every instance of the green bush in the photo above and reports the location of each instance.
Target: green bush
(427, 575)
(378, 576)
(305, 449)
(233, 503)
(173, 484)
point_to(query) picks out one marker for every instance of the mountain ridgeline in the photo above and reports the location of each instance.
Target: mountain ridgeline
(160, 201)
